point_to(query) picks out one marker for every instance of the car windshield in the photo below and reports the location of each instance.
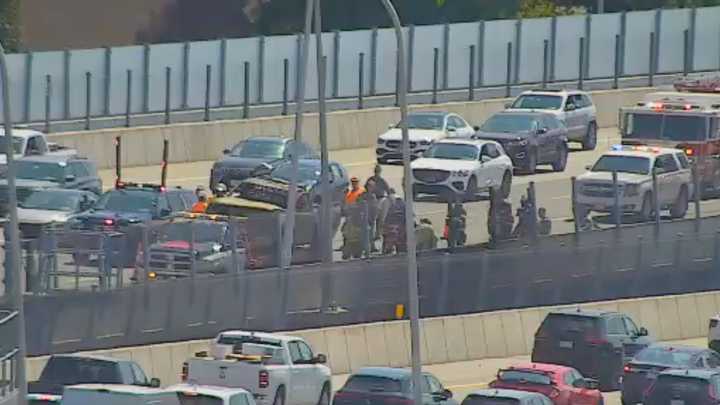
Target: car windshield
(71, 371)
(524, 377)
(368, 383)
(128, 201)
(538, 102)
(670, 127)
(41, 171)
(53, 200)
(509, 123)
(17, 144)
(425, 121)
(306, 172)
(193, 398)
(558, 325)
(258, 149)
(622, 164)
(663, 355)
(452, 151)
(201, 231)
(478, 400)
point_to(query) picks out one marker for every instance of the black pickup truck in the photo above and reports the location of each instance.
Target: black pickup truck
(71, 369)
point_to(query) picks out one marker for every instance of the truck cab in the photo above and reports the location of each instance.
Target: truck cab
(275, 368)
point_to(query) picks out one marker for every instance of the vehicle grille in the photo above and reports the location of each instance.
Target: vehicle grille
(398, 144)
(599, 190)
(431, 175)
(170, 260)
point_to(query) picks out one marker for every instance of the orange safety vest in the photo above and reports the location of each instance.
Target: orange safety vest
(352, 195)
(199, 207)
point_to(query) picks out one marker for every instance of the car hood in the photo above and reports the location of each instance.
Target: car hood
(37, 216)
(100, 215)
(606, 177)
(239, 162)
(502, 136)
(24, 183)
(395, 134)
(182, 245)
(443, 164)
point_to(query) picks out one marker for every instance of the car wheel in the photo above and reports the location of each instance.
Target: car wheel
(531, 165)
(506, 185)
(680, 208)
(590, 140)
(472, 188)
(561, 162)
(646, 210)
(279, 397)
(324, 396)
(382, 161)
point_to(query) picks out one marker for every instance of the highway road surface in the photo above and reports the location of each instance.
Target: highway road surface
(553, 189)
(465, 377)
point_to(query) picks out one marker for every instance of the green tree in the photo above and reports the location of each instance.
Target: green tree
(538, 8)
(10, 24)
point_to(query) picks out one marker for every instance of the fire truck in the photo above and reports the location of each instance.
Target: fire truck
(689, 121)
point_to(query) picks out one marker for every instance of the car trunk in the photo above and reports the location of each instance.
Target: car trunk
(677, 390)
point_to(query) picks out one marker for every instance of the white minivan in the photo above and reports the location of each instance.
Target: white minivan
(106, 394)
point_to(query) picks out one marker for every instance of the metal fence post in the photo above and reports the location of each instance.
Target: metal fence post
(436, 54)
(481, 52)
(66, 83)
(656, 199)
(336, 63)
(446, 54)
(581, 63)
(128, 98)
(588, 44)
(546, 46)
(146, 78)
(616, 71)
(471, 73)
(573, 196)
(697, 194)
(246, 90)
(28, 86)
(186, 76)
(616, 199)
(208, 84)
(532, 200)
(286, 83)
(508, 72)
(553, 43)
(373, 60)
(693, 28)
(686, 50)
(261, 69)
(223, 72)
(623, 36)
(146, 253)
(651, 63)
(48, 102)
(518, 48)
(88, 99)
(107, 80)
(361, 79)
(411, 56)
(168, 81)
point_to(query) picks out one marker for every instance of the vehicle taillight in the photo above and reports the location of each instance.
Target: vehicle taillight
(109, 222)
(184, 374)
(263, 379)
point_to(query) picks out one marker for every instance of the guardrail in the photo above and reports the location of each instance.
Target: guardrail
(8, 353)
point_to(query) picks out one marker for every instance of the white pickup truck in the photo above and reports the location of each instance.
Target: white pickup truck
(28, 142)
(276, 369)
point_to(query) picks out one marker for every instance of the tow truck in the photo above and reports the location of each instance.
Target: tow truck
(689, 121)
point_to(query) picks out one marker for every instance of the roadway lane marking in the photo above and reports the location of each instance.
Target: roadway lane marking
(473, 385)
(560, 197)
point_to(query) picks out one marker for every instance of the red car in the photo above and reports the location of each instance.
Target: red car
(704, 84)
(563, 385)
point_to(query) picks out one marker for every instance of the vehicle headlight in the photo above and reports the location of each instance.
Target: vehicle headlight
(632, 190)
(216, 247)
(461, 173)
(380, 141)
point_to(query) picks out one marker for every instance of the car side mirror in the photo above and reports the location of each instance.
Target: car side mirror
(451, 128)
(391, 126)
(155, 382)
(165, 212)
(476, 128)
(590, 384)
(447, 393)
(69, 178)
(226, 151)
(643, 332)
(570, 107)
(320, 359)
(508, 105)
(588, 167)
(542, 131)
(485, 158)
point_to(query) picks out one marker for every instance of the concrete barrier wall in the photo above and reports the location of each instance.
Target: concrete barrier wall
(350, 129)
(448, 339)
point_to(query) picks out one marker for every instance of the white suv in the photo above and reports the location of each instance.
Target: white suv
(573, 107)
(634, 166)
(462, 167)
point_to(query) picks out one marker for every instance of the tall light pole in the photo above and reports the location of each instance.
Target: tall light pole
(409, 211)
(18, 275)
(289, 228)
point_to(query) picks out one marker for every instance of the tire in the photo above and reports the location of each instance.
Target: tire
(680, 208)
(472, 188)
(561, 162)
(506, 185)
(279, 397)
(646, 211)
(324, 395)
(531, 165)
(382, 161)
(590, 141)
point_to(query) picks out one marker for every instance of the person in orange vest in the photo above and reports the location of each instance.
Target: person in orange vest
(355, 191)
(201, 205)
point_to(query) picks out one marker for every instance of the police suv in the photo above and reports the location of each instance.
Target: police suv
(634, 166)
